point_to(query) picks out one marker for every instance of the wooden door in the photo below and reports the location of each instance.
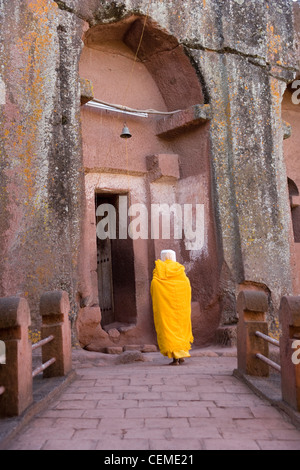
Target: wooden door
(105, 281)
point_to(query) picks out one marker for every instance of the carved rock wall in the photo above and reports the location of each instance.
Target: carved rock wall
(244, 54)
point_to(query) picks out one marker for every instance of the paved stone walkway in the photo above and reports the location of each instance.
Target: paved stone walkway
(152, 406)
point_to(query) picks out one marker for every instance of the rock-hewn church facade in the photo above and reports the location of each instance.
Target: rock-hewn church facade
(208, 91)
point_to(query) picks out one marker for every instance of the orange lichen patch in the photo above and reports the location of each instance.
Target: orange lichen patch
(33, 47)
(34, 336)
(276, 96)
(41, 8)
(274, 44)
(28, 72)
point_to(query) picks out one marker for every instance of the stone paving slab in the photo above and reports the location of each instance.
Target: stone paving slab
(149, 405)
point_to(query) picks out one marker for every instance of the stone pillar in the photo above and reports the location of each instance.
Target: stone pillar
(54, 309)
(290, 364)
(251, 307)
(245, 85)
(16, 374)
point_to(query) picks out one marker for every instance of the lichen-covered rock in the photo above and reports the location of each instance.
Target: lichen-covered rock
(41, 190)
(243, 53)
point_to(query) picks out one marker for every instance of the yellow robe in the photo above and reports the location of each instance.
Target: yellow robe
(171, 299)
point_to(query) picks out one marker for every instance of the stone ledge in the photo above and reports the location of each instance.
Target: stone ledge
(270, 390)
(163, 167)
(121, 327)
(187, 119)
(44, 390)
(143, 348)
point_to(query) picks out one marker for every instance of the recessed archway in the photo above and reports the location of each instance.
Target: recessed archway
(136, 64)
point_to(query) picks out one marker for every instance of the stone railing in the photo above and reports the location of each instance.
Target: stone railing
(253, 342)
(16, 375)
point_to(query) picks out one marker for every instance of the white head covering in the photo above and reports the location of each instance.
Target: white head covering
(168, 254)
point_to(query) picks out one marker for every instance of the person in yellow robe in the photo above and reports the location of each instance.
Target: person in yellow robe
(171, 300)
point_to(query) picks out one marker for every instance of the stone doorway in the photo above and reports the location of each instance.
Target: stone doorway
(115, 272)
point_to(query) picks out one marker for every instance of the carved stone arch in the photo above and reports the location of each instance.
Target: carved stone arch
(169, 157)
(177, 76)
